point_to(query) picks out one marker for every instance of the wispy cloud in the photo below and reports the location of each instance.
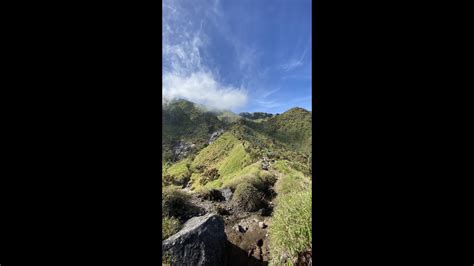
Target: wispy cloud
(295, 61)
(269, 92)
(268, 104)
(184, 74)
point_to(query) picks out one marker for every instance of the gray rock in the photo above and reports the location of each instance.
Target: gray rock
(265, 164)
(226, 193)
(202, 241)
(181, 149)
(215, 135)
(262, 225)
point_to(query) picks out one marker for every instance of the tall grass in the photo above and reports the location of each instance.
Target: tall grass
(290, 232)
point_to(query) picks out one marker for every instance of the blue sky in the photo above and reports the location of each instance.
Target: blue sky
(242, 55)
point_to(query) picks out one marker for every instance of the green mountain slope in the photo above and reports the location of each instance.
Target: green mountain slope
(292, 128)
(240, 150)
(183, 121)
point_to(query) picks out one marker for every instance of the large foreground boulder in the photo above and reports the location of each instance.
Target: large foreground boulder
(202, 241)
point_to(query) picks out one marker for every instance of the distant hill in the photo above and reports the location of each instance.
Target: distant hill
(256, 115)
(293, 128)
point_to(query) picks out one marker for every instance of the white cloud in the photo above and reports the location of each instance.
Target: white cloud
(201, 87)
(184, 74)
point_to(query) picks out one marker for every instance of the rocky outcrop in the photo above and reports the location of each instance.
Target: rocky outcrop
(181, 150)
(215, 135)
(226, 193)
(202, 241)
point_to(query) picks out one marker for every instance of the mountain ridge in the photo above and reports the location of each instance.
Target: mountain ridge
(262, 163)
(286, 136)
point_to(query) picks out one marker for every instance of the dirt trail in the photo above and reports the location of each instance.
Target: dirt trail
(247, 232)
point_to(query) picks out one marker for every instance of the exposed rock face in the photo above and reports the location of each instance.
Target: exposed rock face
(181, 150)
(215, 135)
(202, 241)
(226, 193)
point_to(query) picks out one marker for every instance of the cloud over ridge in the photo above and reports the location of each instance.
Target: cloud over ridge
(184, 74)
(201, 87)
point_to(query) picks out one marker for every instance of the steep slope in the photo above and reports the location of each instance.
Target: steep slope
(186, 128)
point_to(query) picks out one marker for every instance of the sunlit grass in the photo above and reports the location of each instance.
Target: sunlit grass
(290, 232)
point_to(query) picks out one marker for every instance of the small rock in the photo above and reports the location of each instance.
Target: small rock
(250, 252)
(255, 220)
(262, 225)
(239, 229)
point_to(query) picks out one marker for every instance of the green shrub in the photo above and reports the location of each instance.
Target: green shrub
(252, 179)
(178, 173)
(167, 179)
(247, 197)
(209, 175)
(174, 202)
(290, 231)
(202, 192)
(167, 259)
(268, 178)
(169, 227)
(259, 179)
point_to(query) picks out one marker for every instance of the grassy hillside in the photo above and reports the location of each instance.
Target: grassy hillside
(228, 117)
(184, 121)
(225, 156)
(292, 128)
(285, 138)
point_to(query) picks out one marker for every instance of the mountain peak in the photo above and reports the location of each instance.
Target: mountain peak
(297, 110)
